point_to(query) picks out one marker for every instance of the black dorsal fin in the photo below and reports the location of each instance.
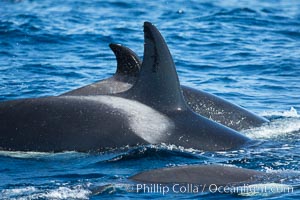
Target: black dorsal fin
(157, 85)
(128, 63)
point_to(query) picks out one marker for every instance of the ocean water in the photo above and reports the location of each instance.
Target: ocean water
(246, 51)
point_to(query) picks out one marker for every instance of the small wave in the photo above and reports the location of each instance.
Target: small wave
(283, 176)
(289, 174)
(12, 193)
(112, 189)
(265, 189)
(32, 154)
(225, 79)
(28, 27)
(76, 176)
(273, 114)
(19, 154)
(282, 123)
(274, 129)
(157, 151)
(290, 33)
(62, 192)
(236, 11)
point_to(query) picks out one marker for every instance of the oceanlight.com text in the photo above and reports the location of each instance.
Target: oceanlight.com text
(212, 188)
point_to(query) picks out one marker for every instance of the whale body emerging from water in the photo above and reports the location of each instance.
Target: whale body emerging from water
(152, 111)
(216, 179)
(218, 175)
(128, 69)
(203, 103)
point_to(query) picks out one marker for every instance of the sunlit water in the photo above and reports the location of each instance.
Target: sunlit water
(245, 51)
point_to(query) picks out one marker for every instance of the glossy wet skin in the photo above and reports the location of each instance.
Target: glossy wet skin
(153, 111)
(203, 103)
(200, 174)
(158, 87)
(220, 110)
(128, 67)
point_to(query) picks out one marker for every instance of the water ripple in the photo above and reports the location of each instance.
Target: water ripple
(244, 51)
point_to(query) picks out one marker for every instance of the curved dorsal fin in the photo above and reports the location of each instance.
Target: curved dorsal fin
(128, 63)
(157, 85)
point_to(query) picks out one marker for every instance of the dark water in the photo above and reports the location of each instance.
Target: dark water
(245, 51)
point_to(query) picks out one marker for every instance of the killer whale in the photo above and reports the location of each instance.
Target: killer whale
(212, 174)
(201, 102)
(216, 178)
(158, 87)
(221, 110)
(213, 178)
(128, 67)
(152, 111)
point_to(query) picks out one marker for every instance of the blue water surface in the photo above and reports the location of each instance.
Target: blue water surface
(246, 51)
